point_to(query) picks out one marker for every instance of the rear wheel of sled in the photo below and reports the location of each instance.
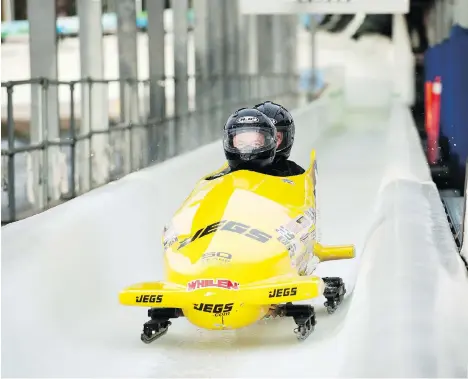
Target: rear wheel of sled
(334, 293)
(330, 308)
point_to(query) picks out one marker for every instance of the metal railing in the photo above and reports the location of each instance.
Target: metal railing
(79, 135)
(53, 166)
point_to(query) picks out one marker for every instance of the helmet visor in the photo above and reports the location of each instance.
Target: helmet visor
(249, 140)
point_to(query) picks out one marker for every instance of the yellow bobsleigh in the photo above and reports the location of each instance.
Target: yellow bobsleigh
(240, 248)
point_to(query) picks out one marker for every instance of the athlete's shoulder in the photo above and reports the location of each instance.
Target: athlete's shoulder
(295, 168)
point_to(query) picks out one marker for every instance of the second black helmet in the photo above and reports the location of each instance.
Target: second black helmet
(284, 124)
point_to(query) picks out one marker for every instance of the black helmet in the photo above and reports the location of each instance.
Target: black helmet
(249, 140)
(284, 123)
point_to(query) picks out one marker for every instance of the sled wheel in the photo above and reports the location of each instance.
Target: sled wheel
(330, 309)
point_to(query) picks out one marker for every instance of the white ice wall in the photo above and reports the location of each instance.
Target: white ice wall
(410, 307)
(410, 303)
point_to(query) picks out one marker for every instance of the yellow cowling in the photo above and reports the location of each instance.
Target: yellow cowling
(235, 247)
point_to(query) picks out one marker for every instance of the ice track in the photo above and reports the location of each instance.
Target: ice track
(407, 315)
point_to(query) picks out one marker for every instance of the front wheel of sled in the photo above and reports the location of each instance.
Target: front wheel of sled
(152, 330)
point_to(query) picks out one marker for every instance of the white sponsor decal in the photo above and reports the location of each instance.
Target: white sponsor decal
(212, 283)
(248, 120)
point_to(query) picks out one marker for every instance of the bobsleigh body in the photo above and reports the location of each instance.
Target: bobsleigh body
(239, 245)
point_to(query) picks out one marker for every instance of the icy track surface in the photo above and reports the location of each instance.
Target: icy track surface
(407, 315)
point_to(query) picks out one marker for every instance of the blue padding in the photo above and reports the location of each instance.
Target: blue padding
(458, 96)
(449, 60)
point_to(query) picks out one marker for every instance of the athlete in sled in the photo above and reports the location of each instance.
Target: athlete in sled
(243, 244)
